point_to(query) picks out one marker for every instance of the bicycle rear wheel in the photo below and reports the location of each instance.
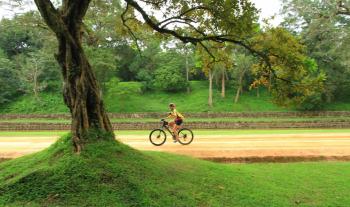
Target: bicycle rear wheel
(185, 136)
(157, 137)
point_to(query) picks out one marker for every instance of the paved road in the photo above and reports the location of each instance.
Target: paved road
(217, 147)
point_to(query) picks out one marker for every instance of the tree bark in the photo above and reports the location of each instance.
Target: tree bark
(270, 82)
(35, 80)
(187, 73)
(223, 77)
(240, 86)
(81, 92)
(210, 97)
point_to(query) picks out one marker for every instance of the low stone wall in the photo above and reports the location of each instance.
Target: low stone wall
(8, 126)
(192, 115)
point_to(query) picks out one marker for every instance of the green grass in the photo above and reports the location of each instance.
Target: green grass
(197, 132)
(112, 174)
(338, 106)
(155, 101)
(196, 101)
(48, 103)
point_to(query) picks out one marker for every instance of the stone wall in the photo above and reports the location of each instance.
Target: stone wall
(192, 115)
(8, 126)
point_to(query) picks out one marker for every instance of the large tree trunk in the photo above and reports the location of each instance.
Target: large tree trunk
(81, 91)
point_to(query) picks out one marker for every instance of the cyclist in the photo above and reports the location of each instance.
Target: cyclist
(178, 119)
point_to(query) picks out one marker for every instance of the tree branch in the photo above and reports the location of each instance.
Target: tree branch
(183, 14)
(50, 15)
(203, 37)
(124, 20)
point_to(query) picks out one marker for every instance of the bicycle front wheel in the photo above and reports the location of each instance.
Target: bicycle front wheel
(185, 136)
(157, 137)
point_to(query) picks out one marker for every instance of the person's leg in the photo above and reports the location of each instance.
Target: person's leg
(175, 128)
(171, 126)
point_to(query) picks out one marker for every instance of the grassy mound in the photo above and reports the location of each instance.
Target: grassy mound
(112, 174)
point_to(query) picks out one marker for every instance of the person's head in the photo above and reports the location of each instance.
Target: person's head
(172, 106)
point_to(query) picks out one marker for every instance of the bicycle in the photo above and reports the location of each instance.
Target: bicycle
(158, 136)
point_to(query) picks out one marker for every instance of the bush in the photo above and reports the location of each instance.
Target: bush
(170, 77)
(312, 103)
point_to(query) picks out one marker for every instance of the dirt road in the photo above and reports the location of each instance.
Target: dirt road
(273, 147)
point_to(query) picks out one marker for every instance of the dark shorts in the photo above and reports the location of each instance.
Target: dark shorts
(178, 122)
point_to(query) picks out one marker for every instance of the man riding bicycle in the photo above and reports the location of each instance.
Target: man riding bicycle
(178, 119)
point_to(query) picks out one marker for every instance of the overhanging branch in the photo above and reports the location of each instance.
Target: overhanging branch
(202, 37)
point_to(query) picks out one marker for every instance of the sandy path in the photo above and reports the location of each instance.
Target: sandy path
(214, 146)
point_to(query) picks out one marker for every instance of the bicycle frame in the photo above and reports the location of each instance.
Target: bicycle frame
(166, 126)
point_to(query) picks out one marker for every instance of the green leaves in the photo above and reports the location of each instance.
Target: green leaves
(170, 75)
(9, 82)
(326, 33)
(296, 77)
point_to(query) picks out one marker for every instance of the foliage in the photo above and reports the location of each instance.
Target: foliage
(122, 92)
(117, 88)
(103, 62)
(8, 80)
(19, 35)
(145, 64)
(50, 102)
(38, 72)
(243, 64)
(296, 81)
(326, 33)
(126, 56)
(170, 74)
(220, 57)
(296, 77)
(29, 47)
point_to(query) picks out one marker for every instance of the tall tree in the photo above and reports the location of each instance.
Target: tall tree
(325, 29)
(299, 77)
(215, 66)
(81, 91)
(243, 64)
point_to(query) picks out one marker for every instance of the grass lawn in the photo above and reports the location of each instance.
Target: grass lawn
(111, 174)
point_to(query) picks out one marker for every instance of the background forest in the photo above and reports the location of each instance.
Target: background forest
(148, 71)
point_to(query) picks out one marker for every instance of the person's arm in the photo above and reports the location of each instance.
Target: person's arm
(171, 115)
